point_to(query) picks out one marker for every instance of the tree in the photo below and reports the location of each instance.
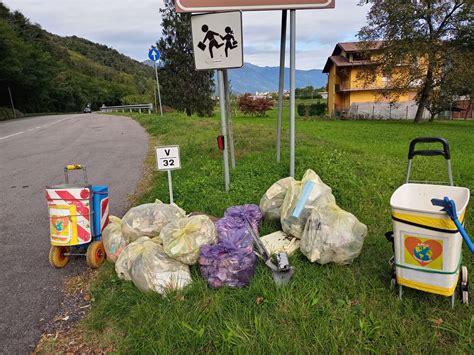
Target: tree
(258, 106)
(422, 42)
(184, 88)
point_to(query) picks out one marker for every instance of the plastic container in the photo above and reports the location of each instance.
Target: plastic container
(426, 241)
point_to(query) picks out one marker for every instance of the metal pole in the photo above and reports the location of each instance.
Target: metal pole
(11, 100)
(281, 86)
(220, 76)
(229, 119)
(170, 185)
(158, 87)
(292, 89)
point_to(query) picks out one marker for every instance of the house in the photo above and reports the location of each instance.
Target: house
(350, 94)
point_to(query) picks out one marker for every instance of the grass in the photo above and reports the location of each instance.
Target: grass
(329, 308)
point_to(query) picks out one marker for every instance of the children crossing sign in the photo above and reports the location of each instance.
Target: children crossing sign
(217, 40)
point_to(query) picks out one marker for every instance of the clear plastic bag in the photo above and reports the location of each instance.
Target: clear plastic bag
(145, 263)
(147, 220)
(182, 239)
(317, 193)
(113, 239)
(332, 235)
(272, 200)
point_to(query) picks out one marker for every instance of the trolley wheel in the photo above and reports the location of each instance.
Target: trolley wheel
(95, 255)
(464, 276)
(466, 297)
(57, 257)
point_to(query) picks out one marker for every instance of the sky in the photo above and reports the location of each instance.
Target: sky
(131, 26)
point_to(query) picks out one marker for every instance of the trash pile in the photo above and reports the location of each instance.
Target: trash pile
(311, 219)
(154, 244)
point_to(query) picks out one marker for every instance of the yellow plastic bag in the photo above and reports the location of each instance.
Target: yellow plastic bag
(320, 194)
(113, 239)
(182, 239)
(145, 264)
(147, 220)
(332, 235)
(271, 202)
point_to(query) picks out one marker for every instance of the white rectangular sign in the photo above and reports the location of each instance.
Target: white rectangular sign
(217, 40)
(250, 5)
(167, 158)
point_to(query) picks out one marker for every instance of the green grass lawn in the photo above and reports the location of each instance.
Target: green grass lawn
(326, 308)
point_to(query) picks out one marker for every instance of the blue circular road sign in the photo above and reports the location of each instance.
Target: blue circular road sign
(154, 54)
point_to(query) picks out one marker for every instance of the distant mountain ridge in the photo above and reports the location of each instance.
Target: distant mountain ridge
(252, 78)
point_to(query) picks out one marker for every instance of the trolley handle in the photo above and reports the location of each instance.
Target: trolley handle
(72, 167)
(446, 152)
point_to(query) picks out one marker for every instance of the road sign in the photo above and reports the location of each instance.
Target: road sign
(217, 40)
(167, 158)
(250, 5)
(154, 54)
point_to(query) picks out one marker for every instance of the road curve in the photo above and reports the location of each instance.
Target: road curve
(33, 153)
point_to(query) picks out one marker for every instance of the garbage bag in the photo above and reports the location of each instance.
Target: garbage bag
(147, 220)
(182, 239)
(271, 201)
(250, 213)
(113, 240)
(224, 264)
(280, 242)
(234, 230)
(304, 195)
(332, 235)
(145, 263)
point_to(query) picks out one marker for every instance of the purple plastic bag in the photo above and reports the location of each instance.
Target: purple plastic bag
(234, 226)
(234, 230)
(224, 264)
(250, 213)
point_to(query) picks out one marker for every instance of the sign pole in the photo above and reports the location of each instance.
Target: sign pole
(11, 100)
(292, 89)
(229, 119)
(281, 86)
(220, 76)
(158, 87)
(170, 186)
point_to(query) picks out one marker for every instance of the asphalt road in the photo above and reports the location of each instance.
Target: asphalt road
(33, 153)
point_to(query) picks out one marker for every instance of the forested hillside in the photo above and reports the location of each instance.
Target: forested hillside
(48, 73)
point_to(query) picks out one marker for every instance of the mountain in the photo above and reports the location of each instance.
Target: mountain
(49, 73)
(252, 78)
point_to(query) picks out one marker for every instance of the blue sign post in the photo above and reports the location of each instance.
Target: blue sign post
(154, 55)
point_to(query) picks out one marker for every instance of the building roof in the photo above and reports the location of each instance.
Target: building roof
(350, 47)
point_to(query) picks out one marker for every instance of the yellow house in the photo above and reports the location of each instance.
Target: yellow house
(348, 92)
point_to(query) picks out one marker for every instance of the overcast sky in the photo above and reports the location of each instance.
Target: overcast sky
(130, 26)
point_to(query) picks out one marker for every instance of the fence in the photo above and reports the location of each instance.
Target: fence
(128, 108)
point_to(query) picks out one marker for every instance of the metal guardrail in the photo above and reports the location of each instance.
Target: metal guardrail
(128, 108)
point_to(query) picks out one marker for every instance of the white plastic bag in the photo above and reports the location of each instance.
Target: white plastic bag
(332, 235)
(320, 194)
(147, 220)
(182, 239)
(271, 201)
(113, 239)
(145, 263)
(280, 242)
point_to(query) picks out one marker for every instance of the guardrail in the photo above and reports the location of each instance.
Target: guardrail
(128, 108)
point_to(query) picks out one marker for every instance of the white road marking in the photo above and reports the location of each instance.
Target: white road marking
(35, 128)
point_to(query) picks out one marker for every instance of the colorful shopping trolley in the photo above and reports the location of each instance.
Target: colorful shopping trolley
(77, 216)
(427, 241)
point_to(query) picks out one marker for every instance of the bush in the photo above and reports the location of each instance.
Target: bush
(250, 105)
(302, 110)
(318, 109)
(6, 113)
